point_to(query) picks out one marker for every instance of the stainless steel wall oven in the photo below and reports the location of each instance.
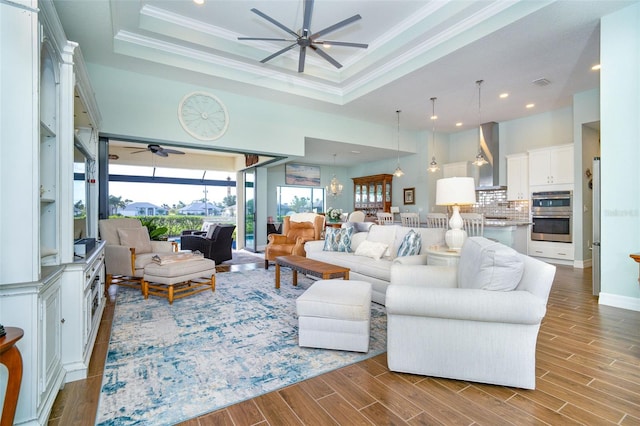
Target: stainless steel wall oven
(551, 214)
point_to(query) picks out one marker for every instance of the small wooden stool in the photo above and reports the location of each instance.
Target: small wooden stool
(179, 279)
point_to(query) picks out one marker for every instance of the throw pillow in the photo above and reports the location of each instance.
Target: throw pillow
(137, 238)
(338, 239)
(487, 265)
(411, 244)
(371, 249)
(210, 230)
(383, 234)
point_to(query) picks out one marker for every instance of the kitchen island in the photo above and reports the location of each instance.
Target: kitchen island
(513, 233)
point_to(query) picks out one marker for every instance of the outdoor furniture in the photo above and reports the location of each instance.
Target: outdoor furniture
(335, 314)
(297, 229)
(179, 277)
(128, 250)
(215, 245)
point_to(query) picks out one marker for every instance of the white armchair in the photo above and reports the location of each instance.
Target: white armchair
(128, 250)
(478, 321)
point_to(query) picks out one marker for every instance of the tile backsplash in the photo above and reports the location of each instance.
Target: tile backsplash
(494, 205)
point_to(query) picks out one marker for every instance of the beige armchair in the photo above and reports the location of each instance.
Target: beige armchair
(128, 250)
(297, 229)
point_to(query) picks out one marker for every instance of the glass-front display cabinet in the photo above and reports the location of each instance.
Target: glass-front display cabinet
(372, 194)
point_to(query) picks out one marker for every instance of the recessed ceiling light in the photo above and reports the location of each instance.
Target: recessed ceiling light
(355, 152)
(504, 95)
(596, 67)
(198, 2)
(459, 124)
(530, 105)
(434, 117)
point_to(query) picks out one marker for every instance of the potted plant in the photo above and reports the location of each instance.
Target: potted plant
(334, 215)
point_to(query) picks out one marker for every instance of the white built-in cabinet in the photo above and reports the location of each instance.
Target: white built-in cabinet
(517, 177)
(55, 298)
(551, 166)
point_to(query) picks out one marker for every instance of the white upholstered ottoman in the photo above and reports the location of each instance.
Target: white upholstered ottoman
(335, 314)
(179, 279)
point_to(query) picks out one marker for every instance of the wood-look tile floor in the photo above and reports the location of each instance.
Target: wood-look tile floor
(587, 366)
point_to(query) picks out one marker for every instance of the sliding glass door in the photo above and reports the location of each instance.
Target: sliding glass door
(249, 209)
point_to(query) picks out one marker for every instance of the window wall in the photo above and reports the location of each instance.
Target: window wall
(299, 199)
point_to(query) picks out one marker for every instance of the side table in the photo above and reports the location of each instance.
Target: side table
(11, 359)
(442, 256)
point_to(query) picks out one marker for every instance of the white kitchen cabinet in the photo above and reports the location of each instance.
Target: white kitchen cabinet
(83, 301)
(459, 169)
(518, 177)
(551, 166)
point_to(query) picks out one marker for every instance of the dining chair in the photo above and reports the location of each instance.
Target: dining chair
(385, 218)
(473, 223)
(411, 220)
(437, 220)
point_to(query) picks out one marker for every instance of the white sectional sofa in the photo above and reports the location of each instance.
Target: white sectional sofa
(367, 267)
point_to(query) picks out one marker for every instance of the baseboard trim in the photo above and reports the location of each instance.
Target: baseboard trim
(617, 301)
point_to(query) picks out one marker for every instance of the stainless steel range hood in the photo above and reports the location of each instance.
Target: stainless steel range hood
(488, 175)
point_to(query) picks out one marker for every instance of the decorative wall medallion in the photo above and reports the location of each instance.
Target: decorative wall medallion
(203, 116)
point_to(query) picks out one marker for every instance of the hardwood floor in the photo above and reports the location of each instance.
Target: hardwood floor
(588, 359)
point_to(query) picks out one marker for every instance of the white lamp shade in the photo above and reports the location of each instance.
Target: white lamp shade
(455, 191)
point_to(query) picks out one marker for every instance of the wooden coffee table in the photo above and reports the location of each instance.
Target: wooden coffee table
(311, 267)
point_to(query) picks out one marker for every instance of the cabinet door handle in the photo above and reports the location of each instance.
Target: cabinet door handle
(62, 320)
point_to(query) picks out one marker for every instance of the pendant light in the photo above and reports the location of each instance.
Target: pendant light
(335, 187)
(398, 172)
(433, 166)
(480, 160)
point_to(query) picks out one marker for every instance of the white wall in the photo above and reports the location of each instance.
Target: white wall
(620, 152)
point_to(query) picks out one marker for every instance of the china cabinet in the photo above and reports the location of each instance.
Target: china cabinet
(372, 194)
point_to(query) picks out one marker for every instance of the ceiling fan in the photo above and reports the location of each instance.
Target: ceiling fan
(306, 38)
(158, 150)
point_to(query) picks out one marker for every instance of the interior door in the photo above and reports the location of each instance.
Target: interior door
(249, 209)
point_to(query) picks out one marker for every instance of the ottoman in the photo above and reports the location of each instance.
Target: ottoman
(179, 279)
(335, 314)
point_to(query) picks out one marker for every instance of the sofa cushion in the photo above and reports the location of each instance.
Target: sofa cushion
(137, 238)
(487, 265)
(371, 249)
(338, 239)
(383, 234)
(210, 230)
(411, 244)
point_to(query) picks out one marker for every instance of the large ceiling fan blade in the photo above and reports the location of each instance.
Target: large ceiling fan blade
(274, 22)
(327, 57)
(308, 11)
(335, 27)
(138, 152)
(161, 153)
(303, 55)
(341, 43)
(278, 53)
(264, 38)
(171, 151)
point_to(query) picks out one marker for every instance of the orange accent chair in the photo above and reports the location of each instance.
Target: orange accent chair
(297, 229)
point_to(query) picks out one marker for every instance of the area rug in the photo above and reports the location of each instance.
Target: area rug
(169, 363)
(241, 257)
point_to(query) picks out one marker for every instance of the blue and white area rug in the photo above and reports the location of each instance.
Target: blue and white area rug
(167, 364)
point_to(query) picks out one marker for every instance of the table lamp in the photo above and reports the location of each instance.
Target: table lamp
(455, 192)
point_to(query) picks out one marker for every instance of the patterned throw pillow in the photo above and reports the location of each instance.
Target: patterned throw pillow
(411, 244)
(338, 239)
